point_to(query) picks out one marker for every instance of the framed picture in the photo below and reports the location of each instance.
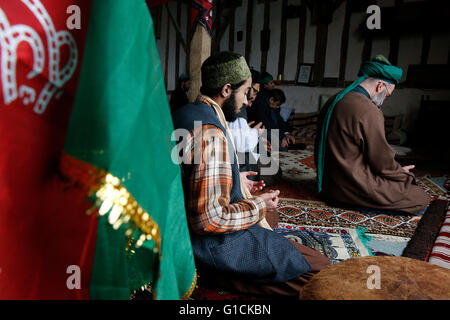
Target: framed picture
(304, 73)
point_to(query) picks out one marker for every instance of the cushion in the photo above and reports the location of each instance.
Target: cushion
(399, 278)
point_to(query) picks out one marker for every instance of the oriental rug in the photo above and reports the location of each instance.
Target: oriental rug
(339, 244)
(300, 205)
(299, 172)
(317, 213)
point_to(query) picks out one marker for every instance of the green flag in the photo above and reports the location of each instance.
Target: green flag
(121, 125)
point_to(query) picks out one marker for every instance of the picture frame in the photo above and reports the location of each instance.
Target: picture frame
(304, 75)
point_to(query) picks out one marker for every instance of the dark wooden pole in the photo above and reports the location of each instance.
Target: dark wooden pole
(248, 31)
(266, 28)
(344, 44)
(301, 37)
(282, 52)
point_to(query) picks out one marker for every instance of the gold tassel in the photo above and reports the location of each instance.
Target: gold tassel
(115, 200)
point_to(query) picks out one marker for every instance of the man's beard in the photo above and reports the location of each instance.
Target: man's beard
(229, 108)
(379, 98)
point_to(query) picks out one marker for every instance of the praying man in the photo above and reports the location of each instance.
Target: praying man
(355, 164)
(230, 246)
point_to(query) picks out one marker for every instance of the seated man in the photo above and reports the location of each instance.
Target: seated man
(355, 164)
(267, 110)
(228, 243)
(246, 137)
(265, 83)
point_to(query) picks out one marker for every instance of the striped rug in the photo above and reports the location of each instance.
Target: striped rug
(440, 253)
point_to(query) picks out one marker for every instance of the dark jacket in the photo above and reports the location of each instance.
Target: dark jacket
(178, 98)
(271, 118)
(256, 253)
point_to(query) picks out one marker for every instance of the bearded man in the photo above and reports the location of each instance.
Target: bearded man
(229, 245)
(355, 164)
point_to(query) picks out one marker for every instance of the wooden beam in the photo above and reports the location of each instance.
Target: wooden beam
(395, 38)
(337, 4)
(301, 37)
(224, 26)
(320, 53)
(282, 52)
(266, 28)
(188, 37)
(310, 4)
(448, 57)
(248, 31)
(344, 44)
(367, 48)
(200, 50)
(231, 31)
(156, 13)
(426, 43)
(177, 28)
(216, 27)
(177, 48)
(166, 57)
(225, 12)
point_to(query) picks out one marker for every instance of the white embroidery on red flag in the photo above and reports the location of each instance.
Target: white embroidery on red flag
(10, 38)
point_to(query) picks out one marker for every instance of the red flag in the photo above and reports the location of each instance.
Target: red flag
(201, 13)
(44, 229)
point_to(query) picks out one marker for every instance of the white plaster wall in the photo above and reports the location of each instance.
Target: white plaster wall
(409, 46)
(403, 101)
(306, 99)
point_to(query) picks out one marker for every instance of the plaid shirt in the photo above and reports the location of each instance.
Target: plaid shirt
(208, 197)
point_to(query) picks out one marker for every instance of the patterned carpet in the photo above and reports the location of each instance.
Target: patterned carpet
(339, 244)
(299, 204)
(337, 233)
(317, 213)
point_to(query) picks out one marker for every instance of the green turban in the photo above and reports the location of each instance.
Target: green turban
(224, 67)
(379, 68)
(265, 78)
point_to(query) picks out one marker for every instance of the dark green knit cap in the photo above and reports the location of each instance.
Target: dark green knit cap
(222, 68)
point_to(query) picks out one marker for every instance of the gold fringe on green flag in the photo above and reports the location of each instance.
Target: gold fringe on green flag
(121, 126)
